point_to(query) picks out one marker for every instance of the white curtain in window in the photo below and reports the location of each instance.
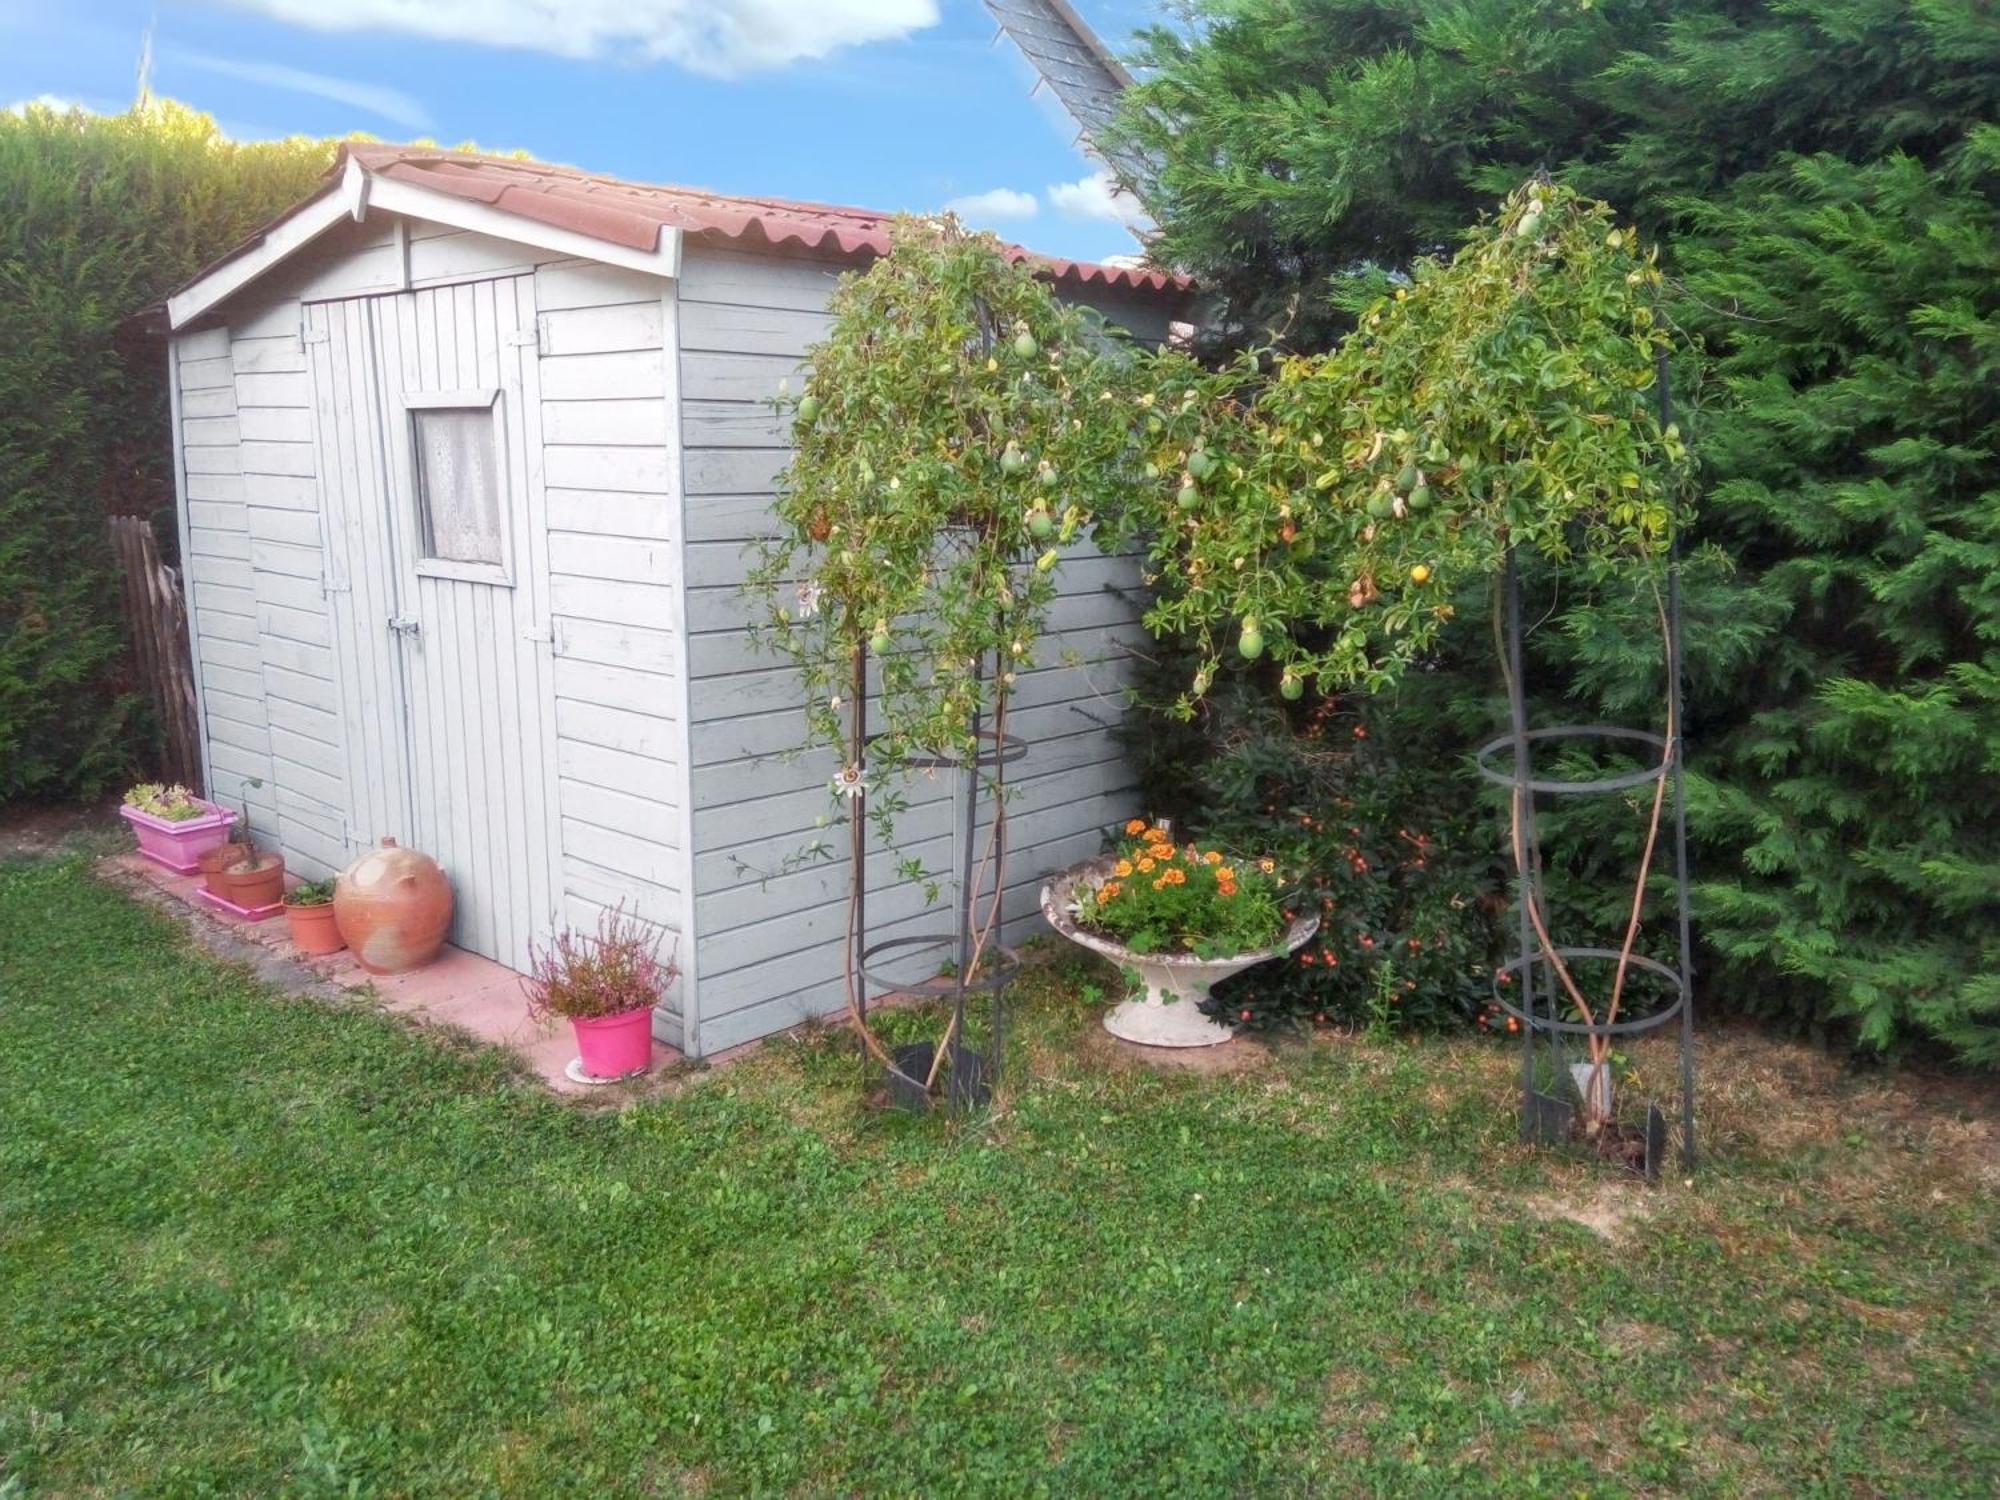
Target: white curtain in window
(458, 483)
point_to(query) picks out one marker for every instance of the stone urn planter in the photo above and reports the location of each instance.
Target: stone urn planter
(1166, 1010)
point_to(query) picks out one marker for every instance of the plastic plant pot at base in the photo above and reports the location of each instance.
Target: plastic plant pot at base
(613, 1047)
(967, 1081)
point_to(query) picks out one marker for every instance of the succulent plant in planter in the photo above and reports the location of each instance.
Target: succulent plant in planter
(174, 826)
(1178, 918)
(606, 985)
(309, 913)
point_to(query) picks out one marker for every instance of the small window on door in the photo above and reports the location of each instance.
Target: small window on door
(457, 462)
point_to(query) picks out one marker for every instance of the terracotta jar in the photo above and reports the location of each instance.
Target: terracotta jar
(393, 907)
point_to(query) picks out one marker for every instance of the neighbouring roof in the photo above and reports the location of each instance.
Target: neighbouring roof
(631, 215)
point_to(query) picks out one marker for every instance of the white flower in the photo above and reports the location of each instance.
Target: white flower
(850, 782)
(834, 703)
(808, 599)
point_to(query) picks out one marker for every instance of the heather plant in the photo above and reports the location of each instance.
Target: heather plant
(585, 976)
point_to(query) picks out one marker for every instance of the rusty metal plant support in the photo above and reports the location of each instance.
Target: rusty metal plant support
(1536, 1000)
(970, 1074)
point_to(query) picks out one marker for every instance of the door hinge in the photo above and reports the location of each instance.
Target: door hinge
(405, 625)
(313, 336)
(541, 630)
(536, 336)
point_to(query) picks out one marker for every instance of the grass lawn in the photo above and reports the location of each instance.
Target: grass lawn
(252, 1245)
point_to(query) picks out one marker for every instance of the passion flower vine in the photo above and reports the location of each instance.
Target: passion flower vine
(1504, 398)
(960, 432)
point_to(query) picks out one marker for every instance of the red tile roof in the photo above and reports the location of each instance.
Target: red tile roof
(633, 213)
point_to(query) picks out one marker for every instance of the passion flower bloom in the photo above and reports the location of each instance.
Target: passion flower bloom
(808, 597)
(850, 781)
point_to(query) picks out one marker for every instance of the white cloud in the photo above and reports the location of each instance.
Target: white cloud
(389, 104)
(47, 101)
(1098, 196)
(721, 37)
(995, 203)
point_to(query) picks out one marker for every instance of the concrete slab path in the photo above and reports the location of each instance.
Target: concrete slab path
(460, 989)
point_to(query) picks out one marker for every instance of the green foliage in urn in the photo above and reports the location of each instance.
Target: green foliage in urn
(958, 430)
(1503, 398)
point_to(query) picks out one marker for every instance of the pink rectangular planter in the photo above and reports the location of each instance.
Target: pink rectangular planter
(247, 913)
(178, 845)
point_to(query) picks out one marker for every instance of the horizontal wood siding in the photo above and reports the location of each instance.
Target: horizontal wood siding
(607, 466)
(221, 582)
(769, 923)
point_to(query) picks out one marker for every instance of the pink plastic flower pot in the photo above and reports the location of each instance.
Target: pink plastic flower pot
(612, 1046)
(179, 845)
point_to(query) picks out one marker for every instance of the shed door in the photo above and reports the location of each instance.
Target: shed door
(438, 552)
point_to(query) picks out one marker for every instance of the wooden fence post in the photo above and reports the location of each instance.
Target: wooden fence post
(160, 650)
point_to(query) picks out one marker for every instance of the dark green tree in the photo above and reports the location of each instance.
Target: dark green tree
(1822, 173)
(100, 216)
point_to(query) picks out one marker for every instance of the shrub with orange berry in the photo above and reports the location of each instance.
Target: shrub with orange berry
(1190, 898)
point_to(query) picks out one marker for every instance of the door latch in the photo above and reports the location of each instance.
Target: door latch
(405, 625)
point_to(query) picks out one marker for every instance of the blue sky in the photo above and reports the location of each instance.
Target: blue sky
(883, 103)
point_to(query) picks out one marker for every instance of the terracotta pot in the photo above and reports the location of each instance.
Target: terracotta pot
(393, 908)
(212, 862)
(252, 886)
(313, 928)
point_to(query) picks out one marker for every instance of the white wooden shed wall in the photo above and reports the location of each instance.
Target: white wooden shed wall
(652, 448)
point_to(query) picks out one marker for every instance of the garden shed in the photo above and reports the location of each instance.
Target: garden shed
(470, 451)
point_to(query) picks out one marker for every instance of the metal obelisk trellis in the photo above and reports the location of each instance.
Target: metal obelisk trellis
(969, 1073)
(1536, 999)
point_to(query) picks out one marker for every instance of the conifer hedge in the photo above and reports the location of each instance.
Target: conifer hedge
(100, 216)
(1825, 175)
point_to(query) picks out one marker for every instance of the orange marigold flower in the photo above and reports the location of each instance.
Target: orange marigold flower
(1156, 835)
(1146, 865)
(1160, 884)
(1124, 868)
(1175, 877)
(1213, 857)
(1109, 889)
(1136, 826)
(1227, 873)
